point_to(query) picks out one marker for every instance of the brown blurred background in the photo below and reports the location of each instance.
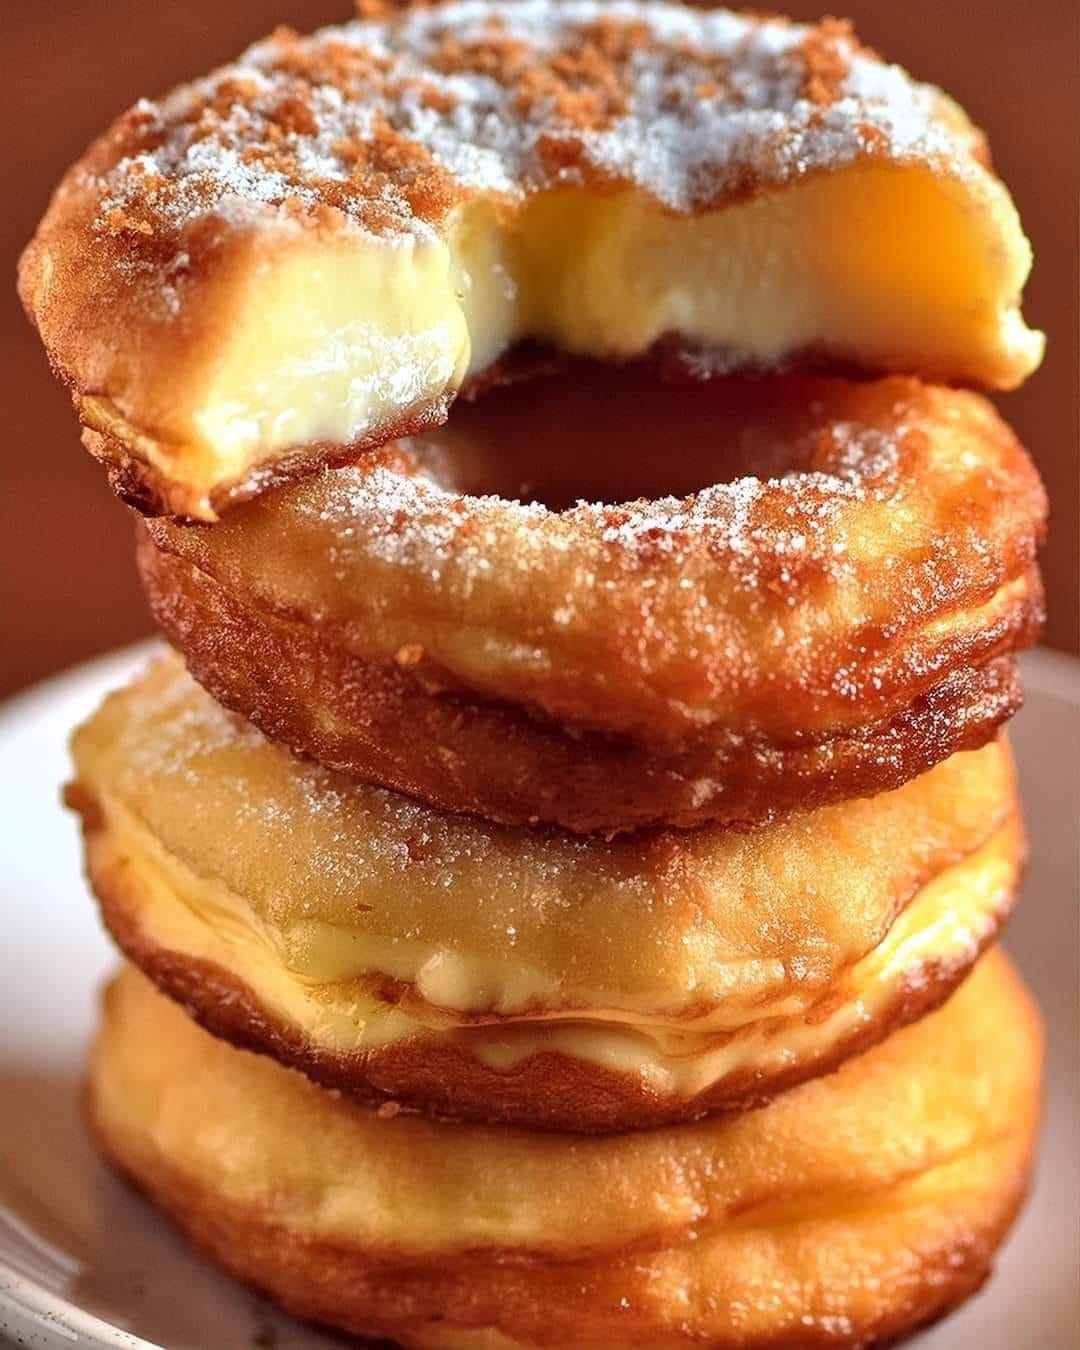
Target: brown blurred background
(66, 584)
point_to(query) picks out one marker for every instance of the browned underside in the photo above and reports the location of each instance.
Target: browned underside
(547, 1091)
(380, 722)
(544, 1302)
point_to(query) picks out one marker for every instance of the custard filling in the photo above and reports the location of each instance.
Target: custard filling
(325, 341)
(342, 1009)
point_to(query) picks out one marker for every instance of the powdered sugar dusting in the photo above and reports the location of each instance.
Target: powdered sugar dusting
(391, 123)
(408, 518)
(303, 843)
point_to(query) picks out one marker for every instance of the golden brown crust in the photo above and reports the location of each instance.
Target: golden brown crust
(548, 1307)
(847, 1215)
(379, 723)
(462, 922)
(785, 640)
(443, 1078)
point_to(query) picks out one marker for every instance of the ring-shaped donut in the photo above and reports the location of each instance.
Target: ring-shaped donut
(500, 974)
(837, 616)
(841, 1216)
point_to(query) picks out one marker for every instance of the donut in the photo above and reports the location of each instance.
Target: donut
(500, 974)
(845, 1214)
(832, 619)
(315, 248)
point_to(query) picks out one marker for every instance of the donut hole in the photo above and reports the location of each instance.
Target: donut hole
(614, 434)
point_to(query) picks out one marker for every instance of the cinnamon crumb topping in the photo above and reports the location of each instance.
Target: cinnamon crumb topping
(825, 53)
(502, 59)
(388, 122)
(873, 138)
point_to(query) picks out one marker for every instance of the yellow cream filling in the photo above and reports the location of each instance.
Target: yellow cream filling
(178, 911)
(328, 339)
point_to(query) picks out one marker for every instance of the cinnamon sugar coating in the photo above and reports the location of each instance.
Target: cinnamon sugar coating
(391, 122)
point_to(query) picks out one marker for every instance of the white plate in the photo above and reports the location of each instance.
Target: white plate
(85, 1262)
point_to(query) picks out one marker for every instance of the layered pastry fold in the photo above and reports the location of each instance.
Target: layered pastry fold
(846, 1213)
(490, 973)
(318, 246)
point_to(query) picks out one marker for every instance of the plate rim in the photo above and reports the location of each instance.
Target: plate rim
(20, 1295)
(24, 1297)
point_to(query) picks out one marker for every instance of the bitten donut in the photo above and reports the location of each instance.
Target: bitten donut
(317, 247)
(495, 974)
(836, 616)
(845, 1214)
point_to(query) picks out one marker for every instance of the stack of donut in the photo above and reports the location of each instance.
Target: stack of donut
(548, 862)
